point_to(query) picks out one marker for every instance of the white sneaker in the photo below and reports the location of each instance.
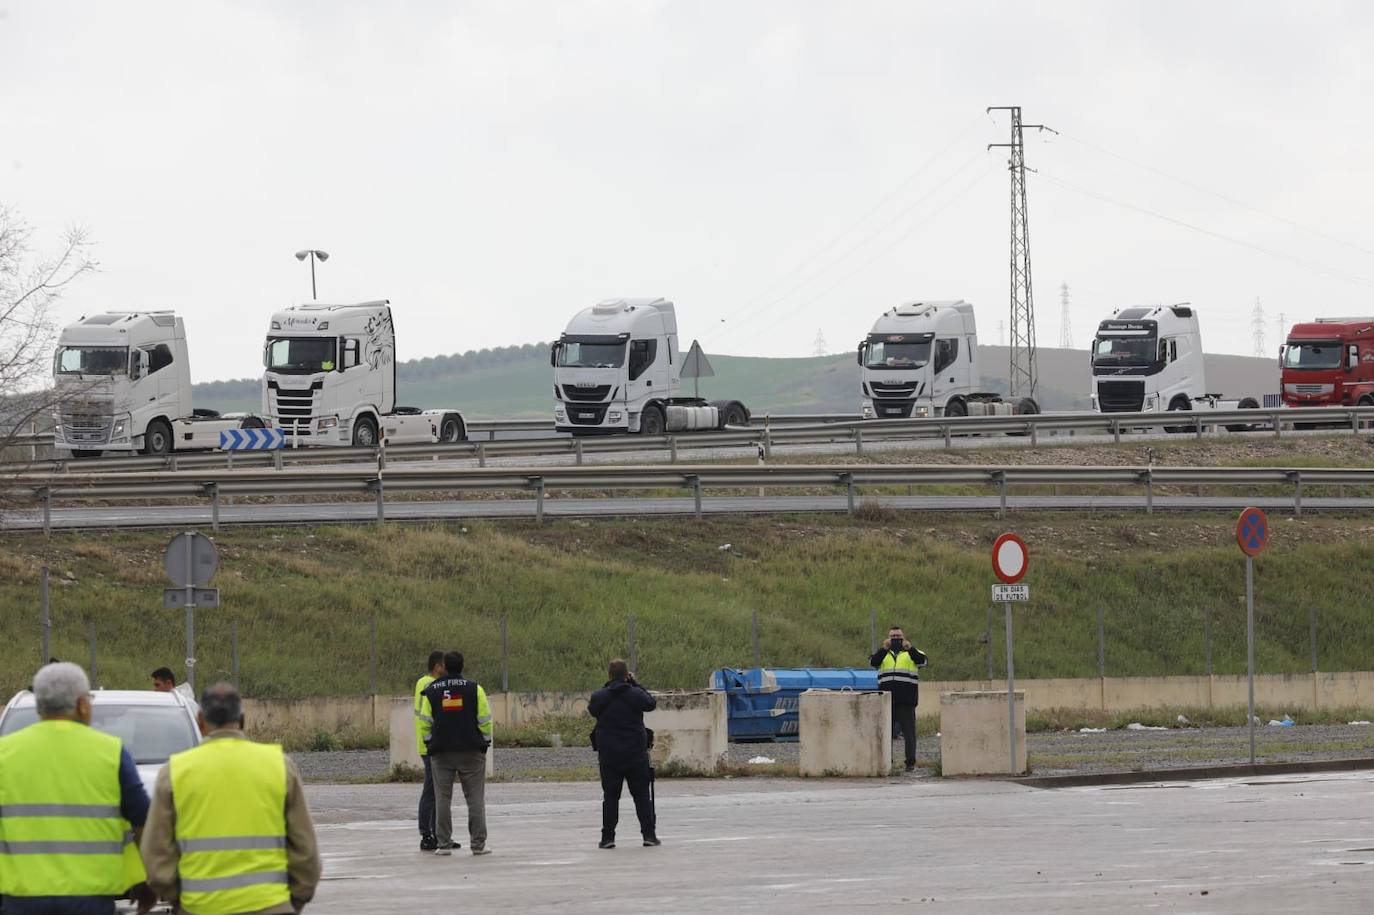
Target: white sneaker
(481, 851)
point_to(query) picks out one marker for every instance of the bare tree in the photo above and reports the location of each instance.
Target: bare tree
(30, 286)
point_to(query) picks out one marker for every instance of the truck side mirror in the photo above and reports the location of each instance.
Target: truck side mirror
(553, 354)
(863, 351)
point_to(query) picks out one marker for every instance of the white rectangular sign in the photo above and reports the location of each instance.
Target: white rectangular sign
(1005, 594)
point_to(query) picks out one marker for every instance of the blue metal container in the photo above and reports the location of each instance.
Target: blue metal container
(762, 702)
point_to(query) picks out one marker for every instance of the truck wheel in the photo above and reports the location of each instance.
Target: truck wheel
(1025, 407)
(158, 438)
(1366, 401)
(733, 415)
(365, 433)
(451, 432)
(1178, 403)
(956, 407)
(1246, 403)
(252, 422)
(651, 421)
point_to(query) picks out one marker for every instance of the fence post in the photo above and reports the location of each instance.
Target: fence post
(234, 652)
(539, 499)
(47, 618)
(696, 496)
(276, 459)
(1101, 643)
(1207, 635)
(1001, 476)
(372, 651)
(858, 441)
(577, 450)
(849, 490)
(1312, 625)
(95, 671)
(1149, 491)
(381, 500)
(46, 496)
(672, 449)
(1116, 431)
(988, 634)
(758, 659)
(505, 660)
(1297, 494)
(482, 453)
(214, 506)
(634, 646)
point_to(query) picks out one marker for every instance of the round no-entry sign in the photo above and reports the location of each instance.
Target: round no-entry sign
(1252, 531)
(1009, 558)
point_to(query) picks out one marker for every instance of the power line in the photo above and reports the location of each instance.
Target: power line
(1311, 265)
(1220, 196)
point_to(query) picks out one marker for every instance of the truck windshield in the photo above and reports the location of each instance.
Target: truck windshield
(92, 360)
(300, 355)
(591, 355)
(1323, 354)
(1122, 351)
(884, 355)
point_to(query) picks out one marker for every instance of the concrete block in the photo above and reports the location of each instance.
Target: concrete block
(845, 733)
(973, 733)
(403, 748)
(690, 730)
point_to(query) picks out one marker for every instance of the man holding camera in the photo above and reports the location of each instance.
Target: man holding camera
(622, 746)
(898, 662)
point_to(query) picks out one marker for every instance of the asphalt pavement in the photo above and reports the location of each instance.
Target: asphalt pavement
(1263, 844)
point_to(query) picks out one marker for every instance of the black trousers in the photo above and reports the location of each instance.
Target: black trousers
(617, 769)
(426, 815)
(904, 719)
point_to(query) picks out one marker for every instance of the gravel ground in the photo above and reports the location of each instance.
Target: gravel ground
(1051, 753)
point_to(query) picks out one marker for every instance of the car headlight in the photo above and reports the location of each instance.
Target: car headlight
(613, 416)
(329, 422)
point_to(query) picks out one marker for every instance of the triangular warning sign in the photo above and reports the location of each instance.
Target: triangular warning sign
(696, 364)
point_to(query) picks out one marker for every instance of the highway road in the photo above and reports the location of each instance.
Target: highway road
(363, 512)
(1297, 843)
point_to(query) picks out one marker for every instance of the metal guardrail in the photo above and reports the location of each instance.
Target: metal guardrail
(45, 489)
(790, 430)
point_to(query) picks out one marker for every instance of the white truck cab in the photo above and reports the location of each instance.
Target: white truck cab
(616, 369)
(330, 379)
(1149, 359)
(921, 360)
(123, 384)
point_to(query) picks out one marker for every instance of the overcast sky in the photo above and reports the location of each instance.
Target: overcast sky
(775, 168)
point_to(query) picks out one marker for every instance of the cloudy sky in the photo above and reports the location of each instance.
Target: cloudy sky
(778, 169)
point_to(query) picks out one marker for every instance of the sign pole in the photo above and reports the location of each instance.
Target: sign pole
(190, 621)
(1011, 690)
(1250, 644)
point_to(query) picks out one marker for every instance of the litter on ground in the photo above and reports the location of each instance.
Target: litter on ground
(761, 761)
(1137, 726)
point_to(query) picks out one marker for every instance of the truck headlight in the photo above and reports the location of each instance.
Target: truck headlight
(867, 411)
(613, 416)
(1150, 402)
(328, 422)
(560, 413)
(920, 411)
(120, 426)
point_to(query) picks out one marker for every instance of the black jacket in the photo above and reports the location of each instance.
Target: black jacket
(619, 708)
(903, 693)
(455, 706)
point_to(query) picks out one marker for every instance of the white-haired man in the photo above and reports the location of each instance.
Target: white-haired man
(71, 804)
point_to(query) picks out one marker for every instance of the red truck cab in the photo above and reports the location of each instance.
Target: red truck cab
(1329, 362)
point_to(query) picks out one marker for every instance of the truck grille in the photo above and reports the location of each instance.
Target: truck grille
(572, 392)
(902, 389)
(87, 422)
(589, 415)
(293, 408)
(1120, 396)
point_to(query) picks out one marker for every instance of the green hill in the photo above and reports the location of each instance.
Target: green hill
(516, 381)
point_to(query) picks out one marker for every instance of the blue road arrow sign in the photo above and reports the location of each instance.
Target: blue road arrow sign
(251, 439)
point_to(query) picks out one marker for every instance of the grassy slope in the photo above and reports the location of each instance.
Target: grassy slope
(303, 598)
(825, 384)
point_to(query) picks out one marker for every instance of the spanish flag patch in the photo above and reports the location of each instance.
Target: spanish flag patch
(454, 704)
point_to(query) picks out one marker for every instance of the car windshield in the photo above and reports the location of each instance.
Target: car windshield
(1324, 354)
(300, 355)
(591, 355)
(92, 360)
(1122, 351)
(151, 733)
(885, 355)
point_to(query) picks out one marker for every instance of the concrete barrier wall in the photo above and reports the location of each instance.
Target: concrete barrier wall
(690, 730)
(1113, 694)
(845, 733)
(975, 738)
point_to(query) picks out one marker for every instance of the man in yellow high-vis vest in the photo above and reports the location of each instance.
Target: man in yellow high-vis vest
(898, 663)
(426, 811)
(70, 803)
(228, 832)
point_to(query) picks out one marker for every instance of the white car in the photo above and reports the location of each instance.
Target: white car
(152, 725)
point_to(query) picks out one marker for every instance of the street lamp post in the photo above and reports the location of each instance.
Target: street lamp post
(314, 255)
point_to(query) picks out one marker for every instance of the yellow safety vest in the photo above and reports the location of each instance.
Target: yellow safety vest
(61, 832)
(898, 668)
(420, 717)
(229, 794)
